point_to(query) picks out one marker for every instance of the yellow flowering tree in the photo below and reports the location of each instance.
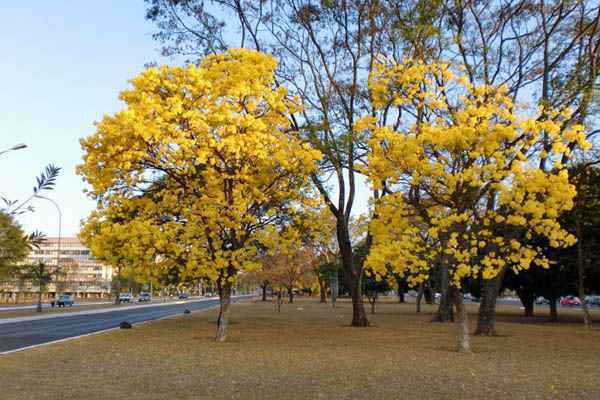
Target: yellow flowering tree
(206, 157)
(463, 161)
(125, 243)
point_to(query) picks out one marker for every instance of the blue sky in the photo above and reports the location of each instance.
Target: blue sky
(63, 64)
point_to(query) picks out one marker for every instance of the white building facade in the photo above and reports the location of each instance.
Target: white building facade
(74, 271)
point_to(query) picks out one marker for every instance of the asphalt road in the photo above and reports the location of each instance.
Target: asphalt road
(21, 334)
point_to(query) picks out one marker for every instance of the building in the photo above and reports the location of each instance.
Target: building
(78, 272)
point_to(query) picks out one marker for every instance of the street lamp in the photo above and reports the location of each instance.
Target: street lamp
(59, 229)
(19, 146)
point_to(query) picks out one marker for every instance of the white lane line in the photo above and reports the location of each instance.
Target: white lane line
(107, 330)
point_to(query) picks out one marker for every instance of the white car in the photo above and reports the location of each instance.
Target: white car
(125, 298)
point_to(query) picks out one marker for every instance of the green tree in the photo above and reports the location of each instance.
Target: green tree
(13, 242)
(39, 275)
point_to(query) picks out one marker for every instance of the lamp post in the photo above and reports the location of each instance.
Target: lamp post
(59, 232)
(19, 146)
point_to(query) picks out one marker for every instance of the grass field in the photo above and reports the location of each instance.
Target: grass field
(308, 351)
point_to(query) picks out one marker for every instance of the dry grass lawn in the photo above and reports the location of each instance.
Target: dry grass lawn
(309, 352)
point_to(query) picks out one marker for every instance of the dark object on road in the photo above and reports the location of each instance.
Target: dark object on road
(125, 325)
(184, 296)
(186, 311)
(65, 300)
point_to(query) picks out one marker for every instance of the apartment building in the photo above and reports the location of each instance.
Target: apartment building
(78, 272)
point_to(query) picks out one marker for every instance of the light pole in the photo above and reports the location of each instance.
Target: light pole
(59, 233)
(19, 146)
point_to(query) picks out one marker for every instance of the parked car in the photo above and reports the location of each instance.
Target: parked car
(145, 297)
(570, 301)
(541, 301)
(593, 300)
(470, 297)
(65, 300)
(125, 298)
(184, 296)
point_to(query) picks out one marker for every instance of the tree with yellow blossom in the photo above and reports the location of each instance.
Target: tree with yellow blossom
(461, 159)
(213, 147)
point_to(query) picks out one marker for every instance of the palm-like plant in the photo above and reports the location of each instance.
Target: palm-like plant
(44, 182)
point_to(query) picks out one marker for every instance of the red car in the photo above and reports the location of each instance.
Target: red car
(570, 301)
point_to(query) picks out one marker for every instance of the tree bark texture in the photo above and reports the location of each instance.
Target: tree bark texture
(464, 345)
(352, 275)
(225, 303)
(322, 291)
(420, 293)
(486, 316)
(527, 298)
(445, 313)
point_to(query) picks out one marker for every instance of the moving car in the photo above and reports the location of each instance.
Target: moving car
(184, 296)
(65, 300)
(145, 297)
(125, 298)
(570, 301)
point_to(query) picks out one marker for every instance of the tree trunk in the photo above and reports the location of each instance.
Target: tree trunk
(373, 302)
(587, 321)
(322, 291)
(352, 274)
(359, 316)
(279, 301)
(445, 313)
(463, 322)
(117, 286)
(486, 316)
(528, 308)
(401, 293)
(264, 292)
(553, 310)
(224, 302)
(428, 294)
(291, 294)
(334, 288)
(39, 302)
(527, 298)
(420, 292)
